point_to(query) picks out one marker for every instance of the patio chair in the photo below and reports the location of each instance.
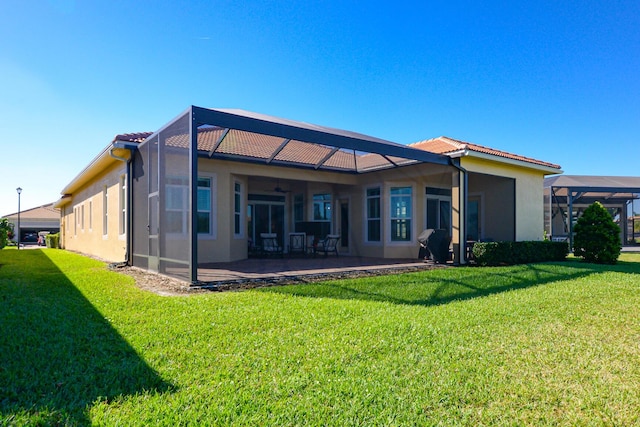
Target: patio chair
(270, 244)
(328, 244)
(297, 243)
(310, 243)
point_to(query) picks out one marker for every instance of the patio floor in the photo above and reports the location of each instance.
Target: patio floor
(302, 269)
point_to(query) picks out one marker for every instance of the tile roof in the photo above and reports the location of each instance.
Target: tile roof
(244, 144)
(446, 145)
(263, 147)
(41, 212)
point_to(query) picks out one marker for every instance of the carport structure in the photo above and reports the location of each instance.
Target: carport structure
(566, 197)
(164, 235)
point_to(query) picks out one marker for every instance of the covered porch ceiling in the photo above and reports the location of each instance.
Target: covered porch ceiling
(251, 137)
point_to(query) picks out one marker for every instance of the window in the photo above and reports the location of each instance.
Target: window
(438, 208)
(177, 202)
(204, 205)
(250, 224)
(298, 208)
(237, 208)
(105, 211)
(373, 214)
(90, 215)
(401, 214)
(82, 217)
(322, 207)
(122, 204)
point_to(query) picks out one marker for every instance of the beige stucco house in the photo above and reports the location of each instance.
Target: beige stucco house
(41, 219)
(204, 189)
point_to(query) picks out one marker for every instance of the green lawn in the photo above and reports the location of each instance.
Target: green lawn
(543, 344)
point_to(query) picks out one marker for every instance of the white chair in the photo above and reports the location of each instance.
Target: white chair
(270, 245)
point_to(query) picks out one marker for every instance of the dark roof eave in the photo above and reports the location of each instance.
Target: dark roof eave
(588, 183)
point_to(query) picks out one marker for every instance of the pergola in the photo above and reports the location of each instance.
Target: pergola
(172, 153)
(566, 193)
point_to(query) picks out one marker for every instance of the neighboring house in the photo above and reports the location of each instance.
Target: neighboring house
(235, 175)
(567, 196)
(32, 221)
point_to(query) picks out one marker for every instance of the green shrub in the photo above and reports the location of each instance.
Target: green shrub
(52, 240)
(597, 237)
(5, 232)
(510, 253)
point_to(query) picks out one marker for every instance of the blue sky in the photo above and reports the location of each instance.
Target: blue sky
(555, 80)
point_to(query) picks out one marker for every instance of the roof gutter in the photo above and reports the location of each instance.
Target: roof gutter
(122, 145)
(459, 153)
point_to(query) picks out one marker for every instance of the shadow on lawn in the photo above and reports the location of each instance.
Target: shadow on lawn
(58, 355)
(453, 284)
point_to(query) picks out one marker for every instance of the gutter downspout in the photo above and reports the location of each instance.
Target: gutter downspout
(129, 196)
(462, 224)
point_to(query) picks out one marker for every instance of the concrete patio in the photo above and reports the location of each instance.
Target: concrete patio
(302, 269)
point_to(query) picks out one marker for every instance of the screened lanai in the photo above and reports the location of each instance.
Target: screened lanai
(164, 201)
(567, 196)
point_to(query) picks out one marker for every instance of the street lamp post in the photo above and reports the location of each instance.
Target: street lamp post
(19, 190)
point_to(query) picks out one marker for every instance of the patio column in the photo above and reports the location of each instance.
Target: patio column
(459, 214)
(570, 204)
(193, 197)
(623, 224)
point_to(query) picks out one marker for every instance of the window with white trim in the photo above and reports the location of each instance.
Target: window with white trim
(176, 205)
(438, 208)
(204, 205)
(90, 215)
(122, 204)
(373, 214)
(105, 211)
(177, 202)
(401, 212)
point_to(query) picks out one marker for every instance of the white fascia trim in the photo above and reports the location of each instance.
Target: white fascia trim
(93, 168)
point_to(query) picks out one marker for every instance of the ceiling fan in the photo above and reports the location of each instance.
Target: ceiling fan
(279, 189)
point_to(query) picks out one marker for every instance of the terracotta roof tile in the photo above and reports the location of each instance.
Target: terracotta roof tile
(446, 145)
(300, 152)
(249, 144)
(258, 146)
(342, 159)
(132, 137)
